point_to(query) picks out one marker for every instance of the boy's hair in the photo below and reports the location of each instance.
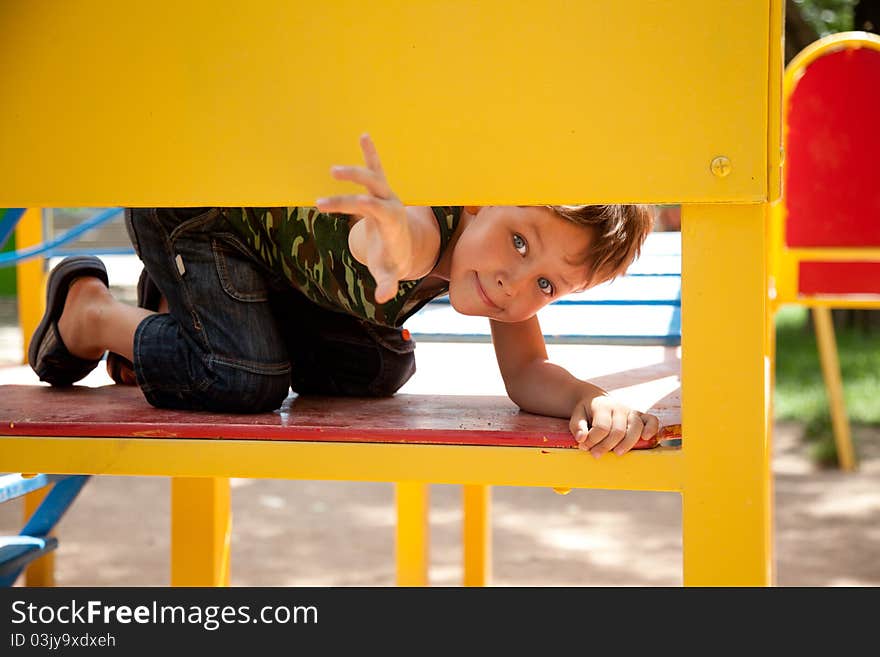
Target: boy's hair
(618, 234)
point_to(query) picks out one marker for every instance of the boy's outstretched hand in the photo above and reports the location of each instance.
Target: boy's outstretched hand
(382, 238)
(615, 426)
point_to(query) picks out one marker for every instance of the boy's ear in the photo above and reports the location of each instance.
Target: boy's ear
(472, 209)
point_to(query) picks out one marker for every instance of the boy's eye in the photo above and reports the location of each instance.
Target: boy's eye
(519, 244)
(545, 285)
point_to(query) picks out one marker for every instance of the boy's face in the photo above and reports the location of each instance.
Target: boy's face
(509, 262)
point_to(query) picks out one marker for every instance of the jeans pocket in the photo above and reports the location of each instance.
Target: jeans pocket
(392, 339)
(239, 277)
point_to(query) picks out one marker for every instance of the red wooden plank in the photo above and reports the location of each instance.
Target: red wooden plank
(832, 141)
(839, 277)
(120, 411)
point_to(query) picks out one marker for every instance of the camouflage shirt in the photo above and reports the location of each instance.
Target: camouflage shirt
(310, 249)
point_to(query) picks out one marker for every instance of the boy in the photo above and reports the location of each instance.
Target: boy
(259, 300)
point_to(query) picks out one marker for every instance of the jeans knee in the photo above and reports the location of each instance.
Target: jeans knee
(238, 391)
(397, 369)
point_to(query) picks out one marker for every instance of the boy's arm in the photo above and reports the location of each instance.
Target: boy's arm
(598, 422)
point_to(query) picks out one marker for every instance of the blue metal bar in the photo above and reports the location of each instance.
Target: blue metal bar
(54, 505)
(41, 250)
(14, 485)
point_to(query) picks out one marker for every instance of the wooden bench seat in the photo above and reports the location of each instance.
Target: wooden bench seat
(121, 412)
(409, 439)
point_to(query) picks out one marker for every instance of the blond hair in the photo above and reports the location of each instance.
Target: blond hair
(618, 232)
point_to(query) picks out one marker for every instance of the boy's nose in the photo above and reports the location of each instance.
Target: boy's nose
(508, 284)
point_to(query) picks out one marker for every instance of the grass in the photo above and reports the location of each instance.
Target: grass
(800, 389)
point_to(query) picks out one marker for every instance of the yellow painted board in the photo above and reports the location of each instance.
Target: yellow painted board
(775, 72)
(201, 531)
(232, 103)
(726, 364)
(656, 469)
(476, 535)
(413, 536)
(30, 277)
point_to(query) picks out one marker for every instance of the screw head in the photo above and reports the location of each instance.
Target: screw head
(720, 166)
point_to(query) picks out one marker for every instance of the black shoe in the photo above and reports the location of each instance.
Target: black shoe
(47, 354)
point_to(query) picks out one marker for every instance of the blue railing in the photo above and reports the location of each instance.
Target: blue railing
(50, 248)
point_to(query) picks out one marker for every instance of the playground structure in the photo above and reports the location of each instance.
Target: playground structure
(709, 139)
(825, 242)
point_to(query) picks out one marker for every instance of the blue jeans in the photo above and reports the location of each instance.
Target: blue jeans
(236, 336)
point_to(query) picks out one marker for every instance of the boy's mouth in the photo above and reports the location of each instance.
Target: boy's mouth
(482, 293)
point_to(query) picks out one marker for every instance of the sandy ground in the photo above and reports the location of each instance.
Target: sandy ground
(304, 533)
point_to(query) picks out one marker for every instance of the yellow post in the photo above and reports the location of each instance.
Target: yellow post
(727, 497)
(833, 384)
(477, 534)
(29, 275)
(412, 542)
(40, 572)
(201, 525)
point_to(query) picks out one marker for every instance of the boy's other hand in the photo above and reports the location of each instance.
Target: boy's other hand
(601, 424)
(382, 239)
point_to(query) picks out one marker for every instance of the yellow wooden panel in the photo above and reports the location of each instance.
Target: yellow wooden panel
(201, 531)
(30, 277)
(657, 469)
(775, 151)
(725, 375)
(413, 536)
(228, 103)
(476, 535)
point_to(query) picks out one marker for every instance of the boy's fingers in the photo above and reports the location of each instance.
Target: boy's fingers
(600, 428)
(374, 183)
(386, 289)
(651, 425)
(578, 424)
(633, 433)
(612, 436)
(371, 155)
(355, 204)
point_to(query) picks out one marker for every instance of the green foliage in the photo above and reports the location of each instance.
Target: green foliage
(828, 16)
(800, 388)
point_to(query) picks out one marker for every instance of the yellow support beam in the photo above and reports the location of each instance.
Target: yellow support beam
(412, 544)
(659, 469)
(477, 535)
(727, 497)
(830, 363)
(201, 528)
(30, 276)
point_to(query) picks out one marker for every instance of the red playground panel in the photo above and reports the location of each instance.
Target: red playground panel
(831, 179)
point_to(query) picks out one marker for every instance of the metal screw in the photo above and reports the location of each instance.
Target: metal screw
(720, 166)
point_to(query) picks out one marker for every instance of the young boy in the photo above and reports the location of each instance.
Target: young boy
(258, 300)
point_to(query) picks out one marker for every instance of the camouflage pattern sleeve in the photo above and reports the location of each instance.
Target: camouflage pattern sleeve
(310, 249)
